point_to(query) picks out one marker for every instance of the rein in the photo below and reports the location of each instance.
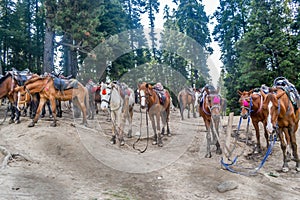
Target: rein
(252, 171)
(139, 138)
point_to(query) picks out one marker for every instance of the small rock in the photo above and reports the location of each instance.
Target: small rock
(227, 186)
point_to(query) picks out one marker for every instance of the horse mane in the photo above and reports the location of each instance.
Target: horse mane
(4, 77)
(34, 78)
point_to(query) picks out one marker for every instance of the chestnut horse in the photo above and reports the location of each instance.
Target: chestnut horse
(210, 110)
(251, 106)
(282, 119)
(118, 98)
(149, 99)
(45, 87)
(186, 98)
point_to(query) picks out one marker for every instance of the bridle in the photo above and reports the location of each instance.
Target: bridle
(216, 103)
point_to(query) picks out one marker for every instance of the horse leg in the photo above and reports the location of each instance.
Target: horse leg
(83, 109)
(113, 118)
(37, 115)
(217, 122)
(130, 115)
(208, 139)
(285, 167)
(189, 108)
(159, 139)
(295, 149)
(258, 145)
(151, 117)
(53, 112)
(194, 113)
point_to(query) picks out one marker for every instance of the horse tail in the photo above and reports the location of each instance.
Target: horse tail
(180, 104)
(87, 101)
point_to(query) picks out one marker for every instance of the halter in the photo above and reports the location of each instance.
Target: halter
(216, 103)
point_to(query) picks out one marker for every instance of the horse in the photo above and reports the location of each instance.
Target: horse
(44, 85)
(118, 99)
(92, 90)
(186, 98)
(251, 106)
(156, 107)
(209, 110)
(282, 119)
(8, 83)
(97, 98)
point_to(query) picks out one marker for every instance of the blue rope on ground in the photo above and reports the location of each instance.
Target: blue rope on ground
(251, 171)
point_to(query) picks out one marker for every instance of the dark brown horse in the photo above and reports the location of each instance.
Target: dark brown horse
(210, 109)
(186, 98)
(7, 85)
(156, 107)
(47, 91)
(251, 105)
(282, 119)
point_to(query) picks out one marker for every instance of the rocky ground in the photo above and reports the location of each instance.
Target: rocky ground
(72, 161)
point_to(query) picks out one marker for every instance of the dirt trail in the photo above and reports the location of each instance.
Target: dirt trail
(76, 162)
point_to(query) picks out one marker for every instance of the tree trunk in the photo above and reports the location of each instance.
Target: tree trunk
(48, 47)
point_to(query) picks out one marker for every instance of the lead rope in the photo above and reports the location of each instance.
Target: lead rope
(139, 138)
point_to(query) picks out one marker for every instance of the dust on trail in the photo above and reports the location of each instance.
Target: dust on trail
(64, 167)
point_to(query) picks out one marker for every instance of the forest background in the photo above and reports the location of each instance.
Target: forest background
(259, 40)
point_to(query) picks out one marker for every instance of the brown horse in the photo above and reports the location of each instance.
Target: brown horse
(45, 87)
(186, 98)
(282, 119)
(156, 107)
(251, 106)
(7, 85)
(209, 109)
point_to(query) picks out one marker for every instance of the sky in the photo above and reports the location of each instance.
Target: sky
(210, 6)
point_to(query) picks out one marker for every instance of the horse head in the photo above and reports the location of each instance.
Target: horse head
(213, 100)
(105, 94)
(24, 97)
(143, 89)
(245, 103)
(271, 106)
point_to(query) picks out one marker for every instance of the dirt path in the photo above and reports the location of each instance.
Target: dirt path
(75, 162)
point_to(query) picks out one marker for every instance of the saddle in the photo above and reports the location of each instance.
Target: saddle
(124, 90)
(289, 89)
(64, 84)
(20, 76)
(190, 92)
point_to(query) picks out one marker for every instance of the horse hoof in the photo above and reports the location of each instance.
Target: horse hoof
(31, 124)
(219, 151)
(208, 155)
(285, 169)
(51, 116)
(113, 140)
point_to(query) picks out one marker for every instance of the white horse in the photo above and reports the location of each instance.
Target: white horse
(118, 99)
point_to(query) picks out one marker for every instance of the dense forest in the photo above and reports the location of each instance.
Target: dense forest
(105, 40)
